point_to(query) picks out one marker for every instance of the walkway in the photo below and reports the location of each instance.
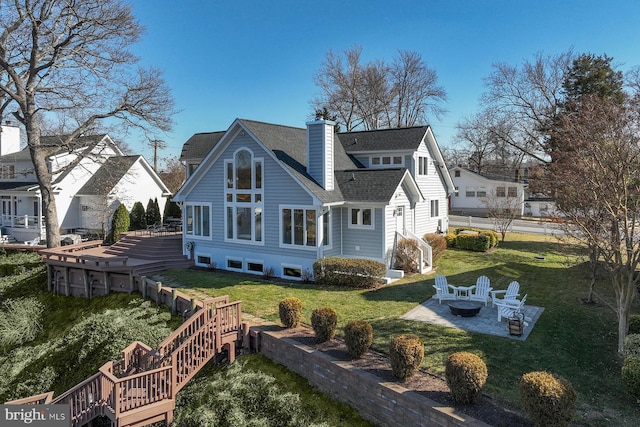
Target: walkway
(486, 322)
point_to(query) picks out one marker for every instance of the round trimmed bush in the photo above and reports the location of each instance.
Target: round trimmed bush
(324, 321)
(406, 353)
(634, 324)
(631, 345)
(358, 336)
(290, 310)
(631, 375)
(548, 400)
(466, 374)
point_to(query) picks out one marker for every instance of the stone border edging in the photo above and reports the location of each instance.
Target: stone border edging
(383, 403)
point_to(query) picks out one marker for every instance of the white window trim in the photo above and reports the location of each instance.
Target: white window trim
(281, 225)
(231, 258)
(389, 165)
(253, 261)
(199, 254)
(360, 225)
(292, 266)
(253, 205)
(329, 215)
(198, 236)
(431, 204)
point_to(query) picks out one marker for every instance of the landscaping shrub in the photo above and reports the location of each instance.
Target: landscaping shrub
(473, 242)
(546, 399)
(631, 375)
(466, 374)
(290, 312)
(351, 272)
(634, 324)
(406, 255)
(406, 353)
(324, 321)
(358, 336)
(493, 237)
(119, 224)
(137, 217)
(450, 238)
(20, 320)
(172, 210)
(438, 245)
(631, 345)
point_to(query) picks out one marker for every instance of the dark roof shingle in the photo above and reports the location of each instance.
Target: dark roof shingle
(199, 145)
(109, 174)
(383, 139)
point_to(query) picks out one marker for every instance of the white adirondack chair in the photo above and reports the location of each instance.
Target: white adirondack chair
(511, 293)
(510, 308)
(444, 291)
(480, 291)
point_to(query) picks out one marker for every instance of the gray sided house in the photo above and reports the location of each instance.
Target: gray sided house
(271, 197)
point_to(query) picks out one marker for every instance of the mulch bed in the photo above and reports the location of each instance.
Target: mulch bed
(425, 383)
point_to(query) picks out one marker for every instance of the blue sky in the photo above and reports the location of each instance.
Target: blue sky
(256, 59)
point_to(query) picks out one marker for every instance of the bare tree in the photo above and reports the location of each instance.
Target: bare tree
(502, 208)
(172, 174)
(378, 95)
(595, 175)
(527, 98)
(71, 61)
(416, 90)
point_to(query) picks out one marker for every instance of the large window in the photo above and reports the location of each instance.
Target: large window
(361, 218)
(198, 220)
(513, 192)
(501, 192)
(243, 198)
(298, 226)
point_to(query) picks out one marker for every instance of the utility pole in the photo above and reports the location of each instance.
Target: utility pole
(156, 143)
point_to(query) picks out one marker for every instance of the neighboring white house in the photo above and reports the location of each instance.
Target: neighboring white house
(473, 190)
(86, 194)
(268, 196)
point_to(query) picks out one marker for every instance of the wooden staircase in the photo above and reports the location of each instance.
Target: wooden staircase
(141, 387)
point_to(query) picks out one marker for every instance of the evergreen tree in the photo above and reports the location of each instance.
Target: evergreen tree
(119, 224)
(153, 212)
(172, 210)
(137, 218)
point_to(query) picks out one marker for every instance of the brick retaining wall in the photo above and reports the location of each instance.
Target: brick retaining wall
(382, 403)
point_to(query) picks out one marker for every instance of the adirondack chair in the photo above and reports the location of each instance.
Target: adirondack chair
(480, 291)
(510, 308)
(511, 293)
(444, 291)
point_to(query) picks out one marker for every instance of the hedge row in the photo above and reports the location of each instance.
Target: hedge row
(351, 272)
(474, 240)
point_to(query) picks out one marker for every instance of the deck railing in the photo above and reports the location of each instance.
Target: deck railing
(145, 376)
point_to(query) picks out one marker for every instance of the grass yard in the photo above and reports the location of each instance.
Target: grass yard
(570, 339)
(77, 336)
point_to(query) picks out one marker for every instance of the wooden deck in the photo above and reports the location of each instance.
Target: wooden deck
(141, 387)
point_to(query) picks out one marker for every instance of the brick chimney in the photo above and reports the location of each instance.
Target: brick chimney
(320, 142)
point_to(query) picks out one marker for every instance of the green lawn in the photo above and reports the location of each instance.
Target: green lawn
(571, 339)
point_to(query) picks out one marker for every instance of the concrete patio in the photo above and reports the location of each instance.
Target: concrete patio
(486, 322)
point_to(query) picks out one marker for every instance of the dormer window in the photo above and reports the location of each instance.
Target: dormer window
(386, 161)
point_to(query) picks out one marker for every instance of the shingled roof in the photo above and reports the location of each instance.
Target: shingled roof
(199, 145)
(369, 185)
(109, 174)
(289, 145)
(383, 139)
